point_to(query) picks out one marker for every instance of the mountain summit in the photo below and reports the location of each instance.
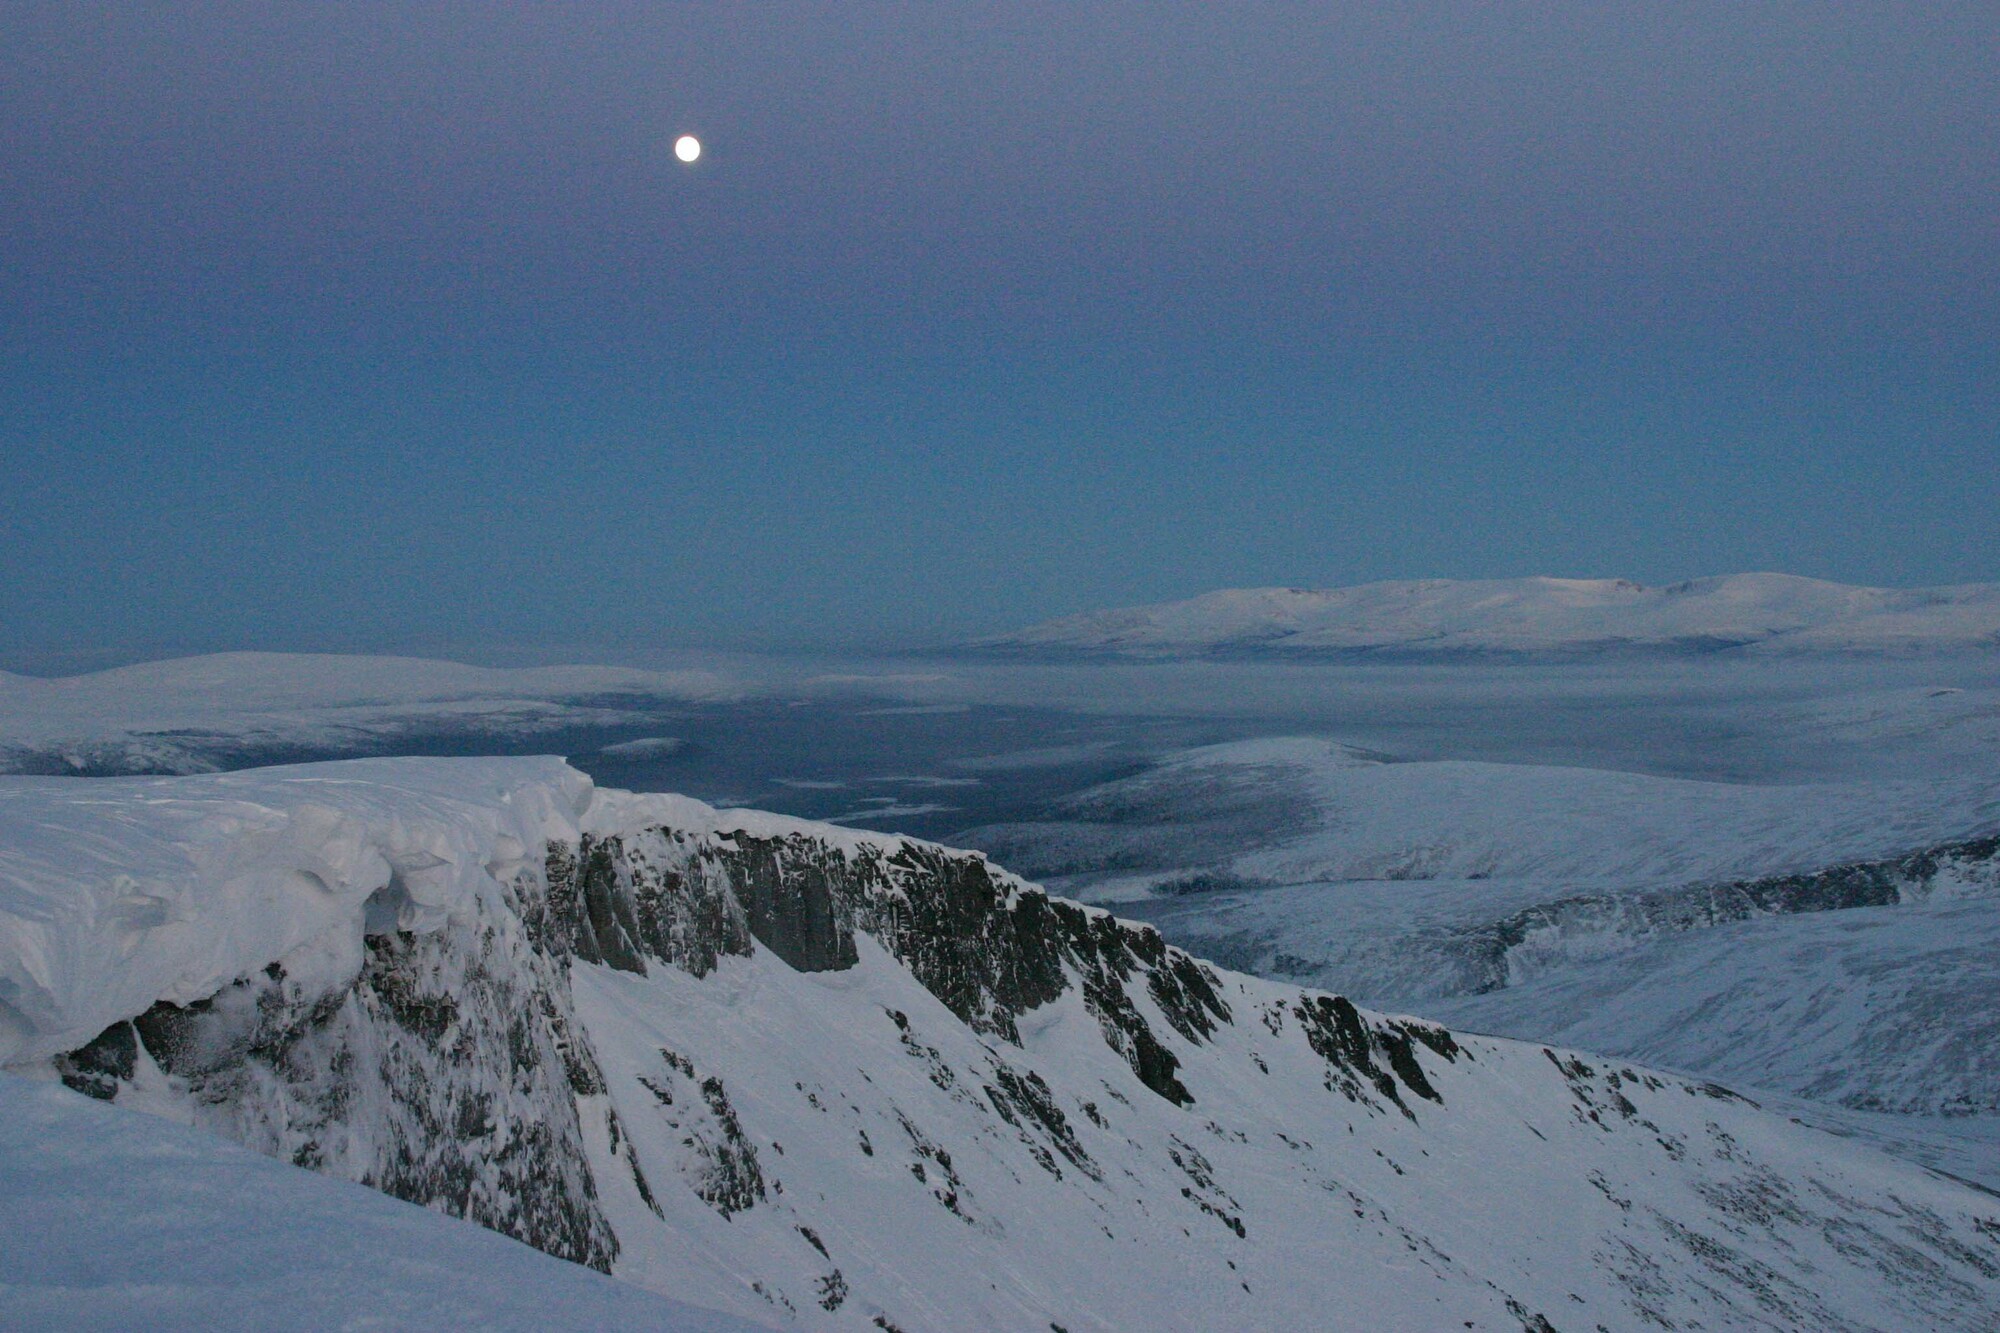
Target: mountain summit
(1747, 613)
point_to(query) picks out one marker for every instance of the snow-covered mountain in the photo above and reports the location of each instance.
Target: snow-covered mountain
(1880, 1018)
(199, 714)
(831, 1079)
(1838, 942)
(1754, 613)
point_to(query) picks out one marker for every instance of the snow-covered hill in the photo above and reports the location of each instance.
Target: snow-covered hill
(198, 714)
(1839, 942)
(1758, 613)
(1881, 1020)
(1299, 810)
(845, 1080)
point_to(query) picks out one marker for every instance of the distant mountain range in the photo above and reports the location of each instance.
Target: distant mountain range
(1758, 614)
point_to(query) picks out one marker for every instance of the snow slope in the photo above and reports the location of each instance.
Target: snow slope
(196, 714)
(1839, 943)
(1893, 1011)
(844, 1080)
(122, 1221)
(1846, 999)
(1303, 810)
(1766, 613)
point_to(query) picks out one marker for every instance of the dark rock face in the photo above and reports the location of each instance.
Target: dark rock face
(722, 1168)
(95, 1070)
(1349, 1044)
(991, 951)
(448, 1073)
(987, 946)
(1487, 954)
(786, 887)
(619, 904)
(1029, 1106)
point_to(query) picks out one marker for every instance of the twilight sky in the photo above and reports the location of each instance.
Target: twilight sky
(396, 325)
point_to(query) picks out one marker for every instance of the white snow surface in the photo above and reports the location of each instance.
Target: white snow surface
(167, 716)
(1889, 1013)
(1766, 613)
(118, 1221)
(1359, 818)
(1354, 1219)
(117, 892)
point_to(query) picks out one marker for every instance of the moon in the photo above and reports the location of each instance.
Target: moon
(687, 148)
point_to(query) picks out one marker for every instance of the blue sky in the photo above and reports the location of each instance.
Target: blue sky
(398, 326)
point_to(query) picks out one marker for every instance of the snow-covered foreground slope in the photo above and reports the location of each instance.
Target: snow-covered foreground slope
(121, 1221)
(1766, 613)
(197, 714)
(845, 1080)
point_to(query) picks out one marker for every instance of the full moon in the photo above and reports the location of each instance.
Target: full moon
(687, 148)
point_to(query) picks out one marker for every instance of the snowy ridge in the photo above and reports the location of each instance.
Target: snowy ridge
(1879, 1009)
(1761, 613)
(117, 893)
(842, 1080)
(197, 714)
(1837, 942)
(1538, 939)
(1302, 810)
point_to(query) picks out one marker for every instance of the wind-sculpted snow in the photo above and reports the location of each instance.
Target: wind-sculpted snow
(115, 893)
(845, 1080)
